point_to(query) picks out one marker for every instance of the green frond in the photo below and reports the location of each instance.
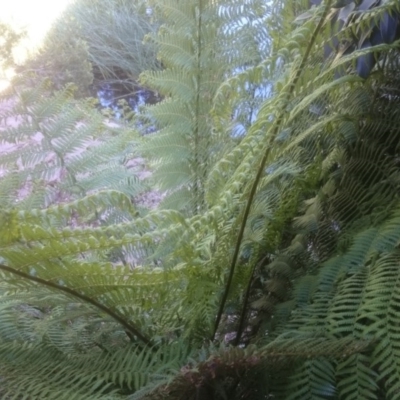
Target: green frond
(115, 375)
(58, 143)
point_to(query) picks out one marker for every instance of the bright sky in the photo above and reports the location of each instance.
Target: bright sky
(36, 16)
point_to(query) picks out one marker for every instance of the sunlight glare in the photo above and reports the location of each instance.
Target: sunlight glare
(35, 16)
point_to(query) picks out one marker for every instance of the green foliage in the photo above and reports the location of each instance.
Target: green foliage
(271, 270)
(96, 40)
(114, 31)
(64, 58)
(56, 150)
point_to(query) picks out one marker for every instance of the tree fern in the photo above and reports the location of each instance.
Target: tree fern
(279, 280)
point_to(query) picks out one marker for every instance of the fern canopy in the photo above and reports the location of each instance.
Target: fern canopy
(271, 268)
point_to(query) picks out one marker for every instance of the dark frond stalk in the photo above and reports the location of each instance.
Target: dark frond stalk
(131, 329)
(274, 131)
(243, 313)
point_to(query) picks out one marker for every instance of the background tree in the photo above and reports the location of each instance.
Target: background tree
(95, 42)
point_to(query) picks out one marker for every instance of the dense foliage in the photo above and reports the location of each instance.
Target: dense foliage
(271, 270)
(94, 42)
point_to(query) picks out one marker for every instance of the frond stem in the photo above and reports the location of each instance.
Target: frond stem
(246, 300)
(131, 329)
